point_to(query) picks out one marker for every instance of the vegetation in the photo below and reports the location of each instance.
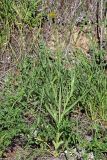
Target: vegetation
(54, 102)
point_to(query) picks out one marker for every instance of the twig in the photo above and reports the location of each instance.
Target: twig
(102, 26)
(97, 23)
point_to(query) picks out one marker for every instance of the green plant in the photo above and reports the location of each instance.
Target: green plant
(48, 88)
(58, 86)
(40, 94)
(11, 121)
(18, 14)
(92, 75)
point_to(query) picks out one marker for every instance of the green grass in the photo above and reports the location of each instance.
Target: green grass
(48, 92)
(18, 14)
(41, 95)
(94, 77)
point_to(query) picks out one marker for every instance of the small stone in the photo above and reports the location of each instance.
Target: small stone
(91, 156)
(88, 138)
